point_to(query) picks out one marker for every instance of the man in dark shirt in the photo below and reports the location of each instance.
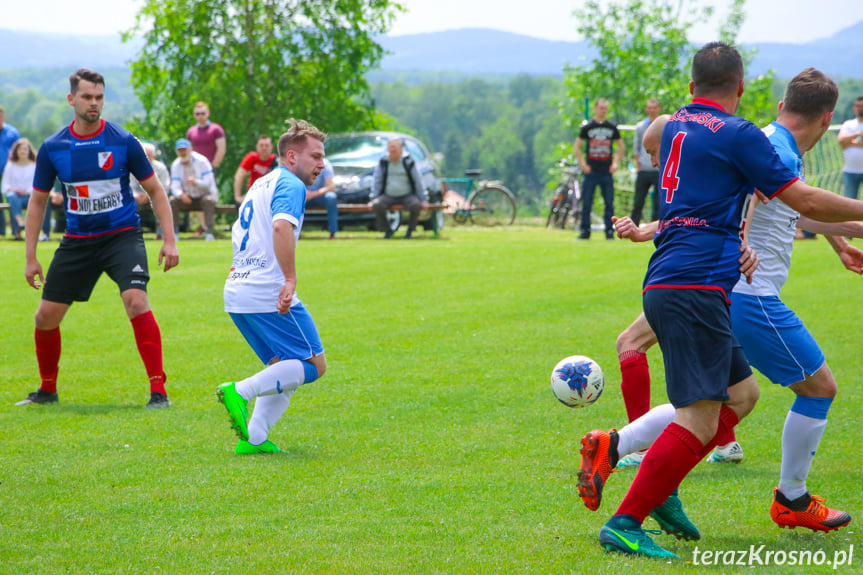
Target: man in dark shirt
(597, 137)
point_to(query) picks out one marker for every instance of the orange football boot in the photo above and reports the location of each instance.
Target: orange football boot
(596, 465)
(811, 514)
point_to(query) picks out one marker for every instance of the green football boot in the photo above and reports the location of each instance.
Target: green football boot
(624, 535)
(246, 448)
(237, 408)
(674, 521)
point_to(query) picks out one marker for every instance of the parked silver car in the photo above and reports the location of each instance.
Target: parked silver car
(354, 157)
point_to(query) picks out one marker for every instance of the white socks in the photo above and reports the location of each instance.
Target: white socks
(641, 433)
(273, 387)
(268, 410)
(800, 438)
(280, 377)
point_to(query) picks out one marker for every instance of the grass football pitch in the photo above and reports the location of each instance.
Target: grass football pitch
(433, 444)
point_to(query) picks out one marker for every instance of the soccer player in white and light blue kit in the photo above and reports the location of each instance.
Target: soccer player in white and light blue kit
(260, 291)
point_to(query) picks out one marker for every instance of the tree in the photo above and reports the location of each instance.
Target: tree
(642, 51)
(257, 63)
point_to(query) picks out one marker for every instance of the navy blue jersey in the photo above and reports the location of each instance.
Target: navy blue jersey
(710, 163)
(94, 173)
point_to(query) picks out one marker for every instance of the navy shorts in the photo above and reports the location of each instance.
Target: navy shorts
(79, 262)
(701, 355)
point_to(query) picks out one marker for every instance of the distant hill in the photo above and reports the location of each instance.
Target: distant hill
(466, 51)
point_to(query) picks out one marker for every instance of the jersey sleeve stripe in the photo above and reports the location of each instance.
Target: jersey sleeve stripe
(780, 190)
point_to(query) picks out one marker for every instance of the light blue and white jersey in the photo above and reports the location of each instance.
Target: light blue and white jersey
(773, 225)
(255, 278)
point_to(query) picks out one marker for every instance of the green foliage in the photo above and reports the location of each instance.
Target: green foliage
(35, 99)
(643, 51)
(257, 63)
(507, 128)
(432, 445)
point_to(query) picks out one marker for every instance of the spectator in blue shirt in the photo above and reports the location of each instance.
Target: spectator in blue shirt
(322, 194)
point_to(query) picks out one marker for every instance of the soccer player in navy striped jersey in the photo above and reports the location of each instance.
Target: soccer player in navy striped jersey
(93, 160)
(710, 162)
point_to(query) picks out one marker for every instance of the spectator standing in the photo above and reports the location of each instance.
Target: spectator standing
(208, 138)
(397, 180)
(851, 139)
(322, 194)
(256, 164)
(193, 186)
(18, 182)
(597, 138)
(647, 176)
(260, 291)
(92, 159)
(8, 136)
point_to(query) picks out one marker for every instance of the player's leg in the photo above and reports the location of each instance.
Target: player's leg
(71, 277)
(124, 259)
(278, 340)
(697, 353)
(793, 505)
(632, 345)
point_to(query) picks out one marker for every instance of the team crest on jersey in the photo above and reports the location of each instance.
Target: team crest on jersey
(106, 160)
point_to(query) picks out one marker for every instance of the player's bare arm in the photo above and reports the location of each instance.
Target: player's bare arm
(821, 205)
(35, 215)
(283, 246)
(162, 208)
(626, 229)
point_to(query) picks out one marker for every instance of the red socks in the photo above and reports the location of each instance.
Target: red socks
(149, 340)
(671, 457)
(48, 357)
(635, 383)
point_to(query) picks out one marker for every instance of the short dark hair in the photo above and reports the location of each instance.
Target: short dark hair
(859, 98)
(263, 137)
(84, 74)
(295, 138)
(717, 68)
(810, 94)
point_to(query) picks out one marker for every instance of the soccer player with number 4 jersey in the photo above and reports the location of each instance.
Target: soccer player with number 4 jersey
(710, 162)
(260, 291)
(93, 160)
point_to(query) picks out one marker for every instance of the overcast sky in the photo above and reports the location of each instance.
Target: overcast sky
(797, 21)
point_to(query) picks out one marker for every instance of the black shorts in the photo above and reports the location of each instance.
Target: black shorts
(79, 262)
(701, 355)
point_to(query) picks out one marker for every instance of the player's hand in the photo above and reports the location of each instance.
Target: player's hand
(626, 229)
(286, 294)
(33, 273)
(748, 262)
(170, 255)
(764, 199)
(852, 259)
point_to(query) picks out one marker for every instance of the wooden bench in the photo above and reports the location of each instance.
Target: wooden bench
(352, 208)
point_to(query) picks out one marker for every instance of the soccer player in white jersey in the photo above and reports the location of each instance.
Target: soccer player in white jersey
(260, 292)
(774, 339)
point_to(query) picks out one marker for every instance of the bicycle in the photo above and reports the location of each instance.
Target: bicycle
(567, 197)
(490, 204)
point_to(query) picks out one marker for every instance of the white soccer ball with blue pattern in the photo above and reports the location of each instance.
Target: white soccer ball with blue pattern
(577, 381)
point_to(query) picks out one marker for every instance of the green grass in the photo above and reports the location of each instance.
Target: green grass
(432, 445)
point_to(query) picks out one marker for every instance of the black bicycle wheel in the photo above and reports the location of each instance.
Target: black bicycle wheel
(492, 206)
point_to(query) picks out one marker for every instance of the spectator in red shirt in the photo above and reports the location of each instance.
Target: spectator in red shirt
(254, 165)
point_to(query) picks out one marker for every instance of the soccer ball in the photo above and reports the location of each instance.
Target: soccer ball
(577, 381)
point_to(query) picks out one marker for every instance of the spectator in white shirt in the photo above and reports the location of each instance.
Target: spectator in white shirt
(17, 182)
(193, 186)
